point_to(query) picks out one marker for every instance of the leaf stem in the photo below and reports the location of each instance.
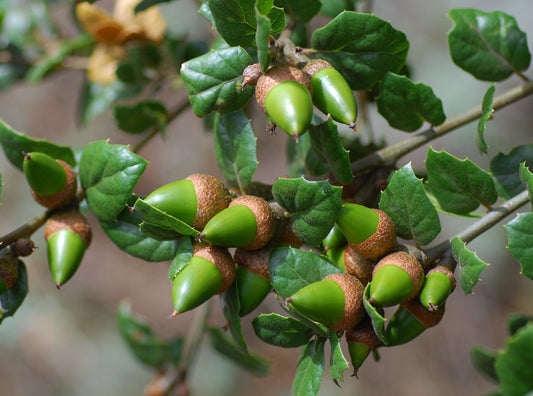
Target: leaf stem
(390, 154)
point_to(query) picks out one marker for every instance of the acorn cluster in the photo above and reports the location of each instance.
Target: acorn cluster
(286, 94)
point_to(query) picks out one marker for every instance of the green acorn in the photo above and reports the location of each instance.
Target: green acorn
(53, 182)
(357, 265)
(409, 321)
(283, 93)
(335, 301)
(438, 285)
(331, 93)
(210, 271)
(336, 255)
(193, 200)
(335, 238)
(371, 232)
(396, 278)
(248, 222)
(361, 340)
(67, 234)
(252, 278)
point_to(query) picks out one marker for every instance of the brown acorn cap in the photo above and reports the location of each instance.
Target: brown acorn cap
(274, 76)
(221, 258)
(446, 271)
(9, 270)
(381, 242)
(254, 260)
(72, 220)
(251, 74)
(363, 333)
(424, 316)
(65, 195)
(409, 264)
(315, 65)
(265, 217)
(23, 247)
(357, 265)
(288, 236)
(354, 310)
(212, 196)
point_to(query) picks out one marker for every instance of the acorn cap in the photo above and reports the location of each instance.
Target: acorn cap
(353, 291)
(251, 74)
(315, 65)
(287, 235)
(357, 265)
(255, 261)
(212, 196)
(264, 216)
(357, 222)
(427, 318)
(222, 260)
(397, 277)
(69, 219)
(380, 242)
(23, 247)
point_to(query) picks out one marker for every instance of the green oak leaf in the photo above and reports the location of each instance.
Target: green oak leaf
(326, 141)
(314, 206)
(108, 174)
(376, 316)
(14, 143)
(406, 105)
(303, 160)
(409, 207)
(182, 257)
(291, 269)
(527, 179)
(281, 331)
(310, 369)
(470, 265)
(140, 116)
(301, 11)
(231, 306)
(488, 45)
(487, 111)
(520, 241)
(143, 343)
(516, 321)
(460, 186)
(513, 364)
(362, 47)
(505, 169)
(337, 362)
(12, 299)
(484, 359)
(332, 8)
(262, 38)
(214, 81)
(235, 149)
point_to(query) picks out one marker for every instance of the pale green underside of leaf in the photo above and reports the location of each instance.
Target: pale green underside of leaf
(470, 265)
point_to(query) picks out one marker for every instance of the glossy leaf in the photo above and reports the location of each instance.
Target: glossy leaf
(484, 359)
(486, 108)
(332, 8)
(337, 362)
(460, 186)
(12, 299)
(231, 307)
(301, 11)
(14, 143)
(520, 241)
(470, 265)
(314, 206)
(182, 257)
(407, 203)
(406, 105)
(235, 149)
(125, 233)
(143, 343)
(236, 23)
(302, 159)
(310, 369)
(326, 141)
(224, 346)
(262, 38)
(362, 47)
(214, 81)
(527, 179)
(488, 45)
(291, 269)
(140, 116)
(505, 168)
(281, 331)
(108, 174)
(513, 364)
(378, 320)
(162, 219)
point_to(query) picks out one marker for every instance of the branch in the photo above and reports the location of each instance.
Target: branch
(390, 154)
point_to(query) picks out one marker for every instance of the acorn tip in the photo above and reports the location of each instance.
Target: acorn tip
(354, 374)
(296, 137)
(174, 314)
(353, 126)
(59, 286)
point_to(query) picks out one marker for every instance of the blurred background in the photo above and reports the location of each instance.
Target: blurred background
(66, 343)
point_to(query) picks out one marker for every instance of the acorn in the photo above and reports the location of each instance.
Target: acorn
(193, 200)
(283, 93)
(371, 231)
(249, 222)
(23, 247)
(438, 285)
(335, 238)
(331, 93)
(335, 301)
(396, 278)
(9, 272)
(409, 321)
(67, 234)
(336, 256)
(252, 278)
(53, 182)
(357, 265)
(210, 271)
(361, 340)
